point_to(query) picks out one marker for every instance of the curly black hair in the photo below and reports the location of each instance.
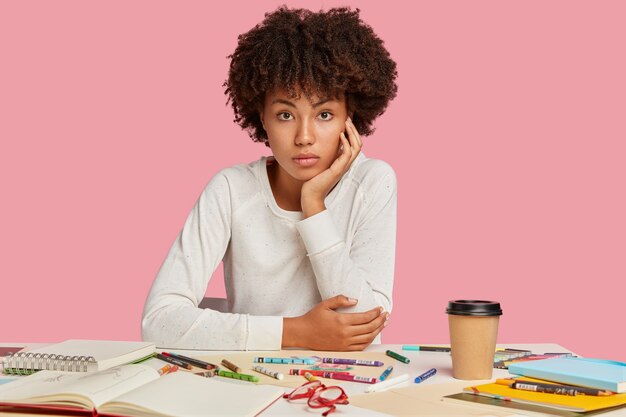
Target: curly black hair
(303, 52)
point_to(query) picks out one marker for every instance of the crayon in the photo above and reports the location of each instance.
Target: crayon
(293, 361)
(268, 372)
(310, 377)
(231, 366)
(167, 369)
(385, 373)
(352, 362)
(236, 375)
(208, 373)
(312, 372)
(397, 356)
(425, 375)
(342, 376)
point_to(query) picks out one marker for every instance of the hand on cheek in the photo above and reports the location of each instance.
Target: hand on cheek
(315, 190)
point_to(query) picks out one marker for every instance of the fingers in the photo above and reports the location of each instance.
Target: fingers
(371, 327)
(355, 319)
(355, 139)
(339, 301)
(353, 135)
(351, 142)
(362, 341)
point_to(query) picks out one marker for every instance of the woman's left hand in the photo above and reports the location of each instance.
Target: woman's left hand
(315, 190)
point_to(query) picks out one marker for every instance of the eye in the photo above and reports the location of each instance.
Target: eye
(325, 115)
(284, 116)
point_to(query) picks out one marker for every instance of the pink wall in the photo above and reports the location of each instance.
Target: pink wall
(508, 138)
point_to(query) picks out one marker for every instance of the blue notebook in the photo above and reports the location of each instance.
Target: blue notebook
(585, 372)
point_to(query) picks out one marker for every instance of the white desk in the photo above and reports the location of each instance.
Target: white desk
(432, 389)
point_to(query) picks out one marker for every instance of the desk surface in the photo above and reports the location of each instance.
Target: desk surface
(426, 396)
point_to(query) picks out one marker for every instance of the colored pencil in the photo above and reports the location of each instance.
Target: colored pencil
(174, 361)
(552, 388)
(192, 361)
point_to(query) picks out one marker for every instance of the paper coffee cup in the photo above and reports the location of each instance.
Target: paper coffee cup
(473, 334)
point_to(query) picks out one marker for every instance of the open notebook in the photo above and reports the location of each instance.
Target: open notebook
(76, 355)
(136, 391)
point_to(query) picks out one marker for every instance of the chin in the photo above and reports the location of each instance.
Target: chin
(304, 175)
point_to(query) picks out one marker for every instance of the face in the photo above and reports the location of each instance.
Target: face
(303, 133)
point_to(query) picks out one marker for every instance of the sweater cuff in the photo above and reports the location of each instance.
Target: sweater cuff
(318, 232)
(264, 333)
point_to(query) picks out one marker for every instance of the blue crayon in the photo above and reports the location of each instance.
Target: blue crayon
(385, 374)
(425, 375)
(292, 361)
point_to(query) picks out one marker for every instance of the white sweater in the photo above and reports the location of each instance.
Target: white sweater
(276, 264)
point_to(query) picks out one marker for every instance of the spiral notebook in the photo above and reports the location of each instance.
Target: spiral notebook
(77, 355)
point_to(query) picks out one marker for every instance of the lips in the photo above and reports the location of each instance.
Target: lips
(306, 160)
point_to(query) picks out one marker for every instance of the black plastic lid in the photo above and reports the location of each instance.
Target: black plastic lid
(474, 308)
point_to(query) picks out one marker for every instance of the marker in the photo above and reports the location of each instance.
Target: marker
(312, 372)
(352, 362)
(425, 375)
(174, 361)
(385, 373)
(231, 366)
(268, 372)
(551, 388)
(381, 386)
(192, 361)
(397, 356)
(294, 361)
(236, 375)
(427, 348)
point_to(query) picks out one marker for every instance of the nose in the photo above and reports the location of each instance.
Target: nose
(305, 134)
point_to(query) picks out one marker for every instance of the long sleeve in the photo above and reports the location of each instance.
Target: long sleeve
(364, 268)
(171, 316)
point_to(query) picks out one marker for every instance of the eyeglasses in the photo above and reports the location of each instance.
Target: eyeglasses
(319, 396)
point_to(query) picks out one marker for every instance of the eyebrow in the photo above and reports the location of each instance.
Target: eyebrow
(289, 103)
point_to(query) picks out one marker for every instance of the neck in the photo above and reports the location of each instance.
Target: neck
(286, 190)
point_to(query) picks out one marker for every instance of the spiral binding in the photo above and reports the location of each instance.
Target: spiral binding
(26, 363)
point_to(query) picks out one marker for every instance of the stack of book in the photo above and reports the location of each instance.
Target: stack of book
(567, 387)
(503, 358)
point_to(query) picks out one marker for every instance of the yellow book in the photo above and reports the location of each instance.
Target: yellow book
(578, 403)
